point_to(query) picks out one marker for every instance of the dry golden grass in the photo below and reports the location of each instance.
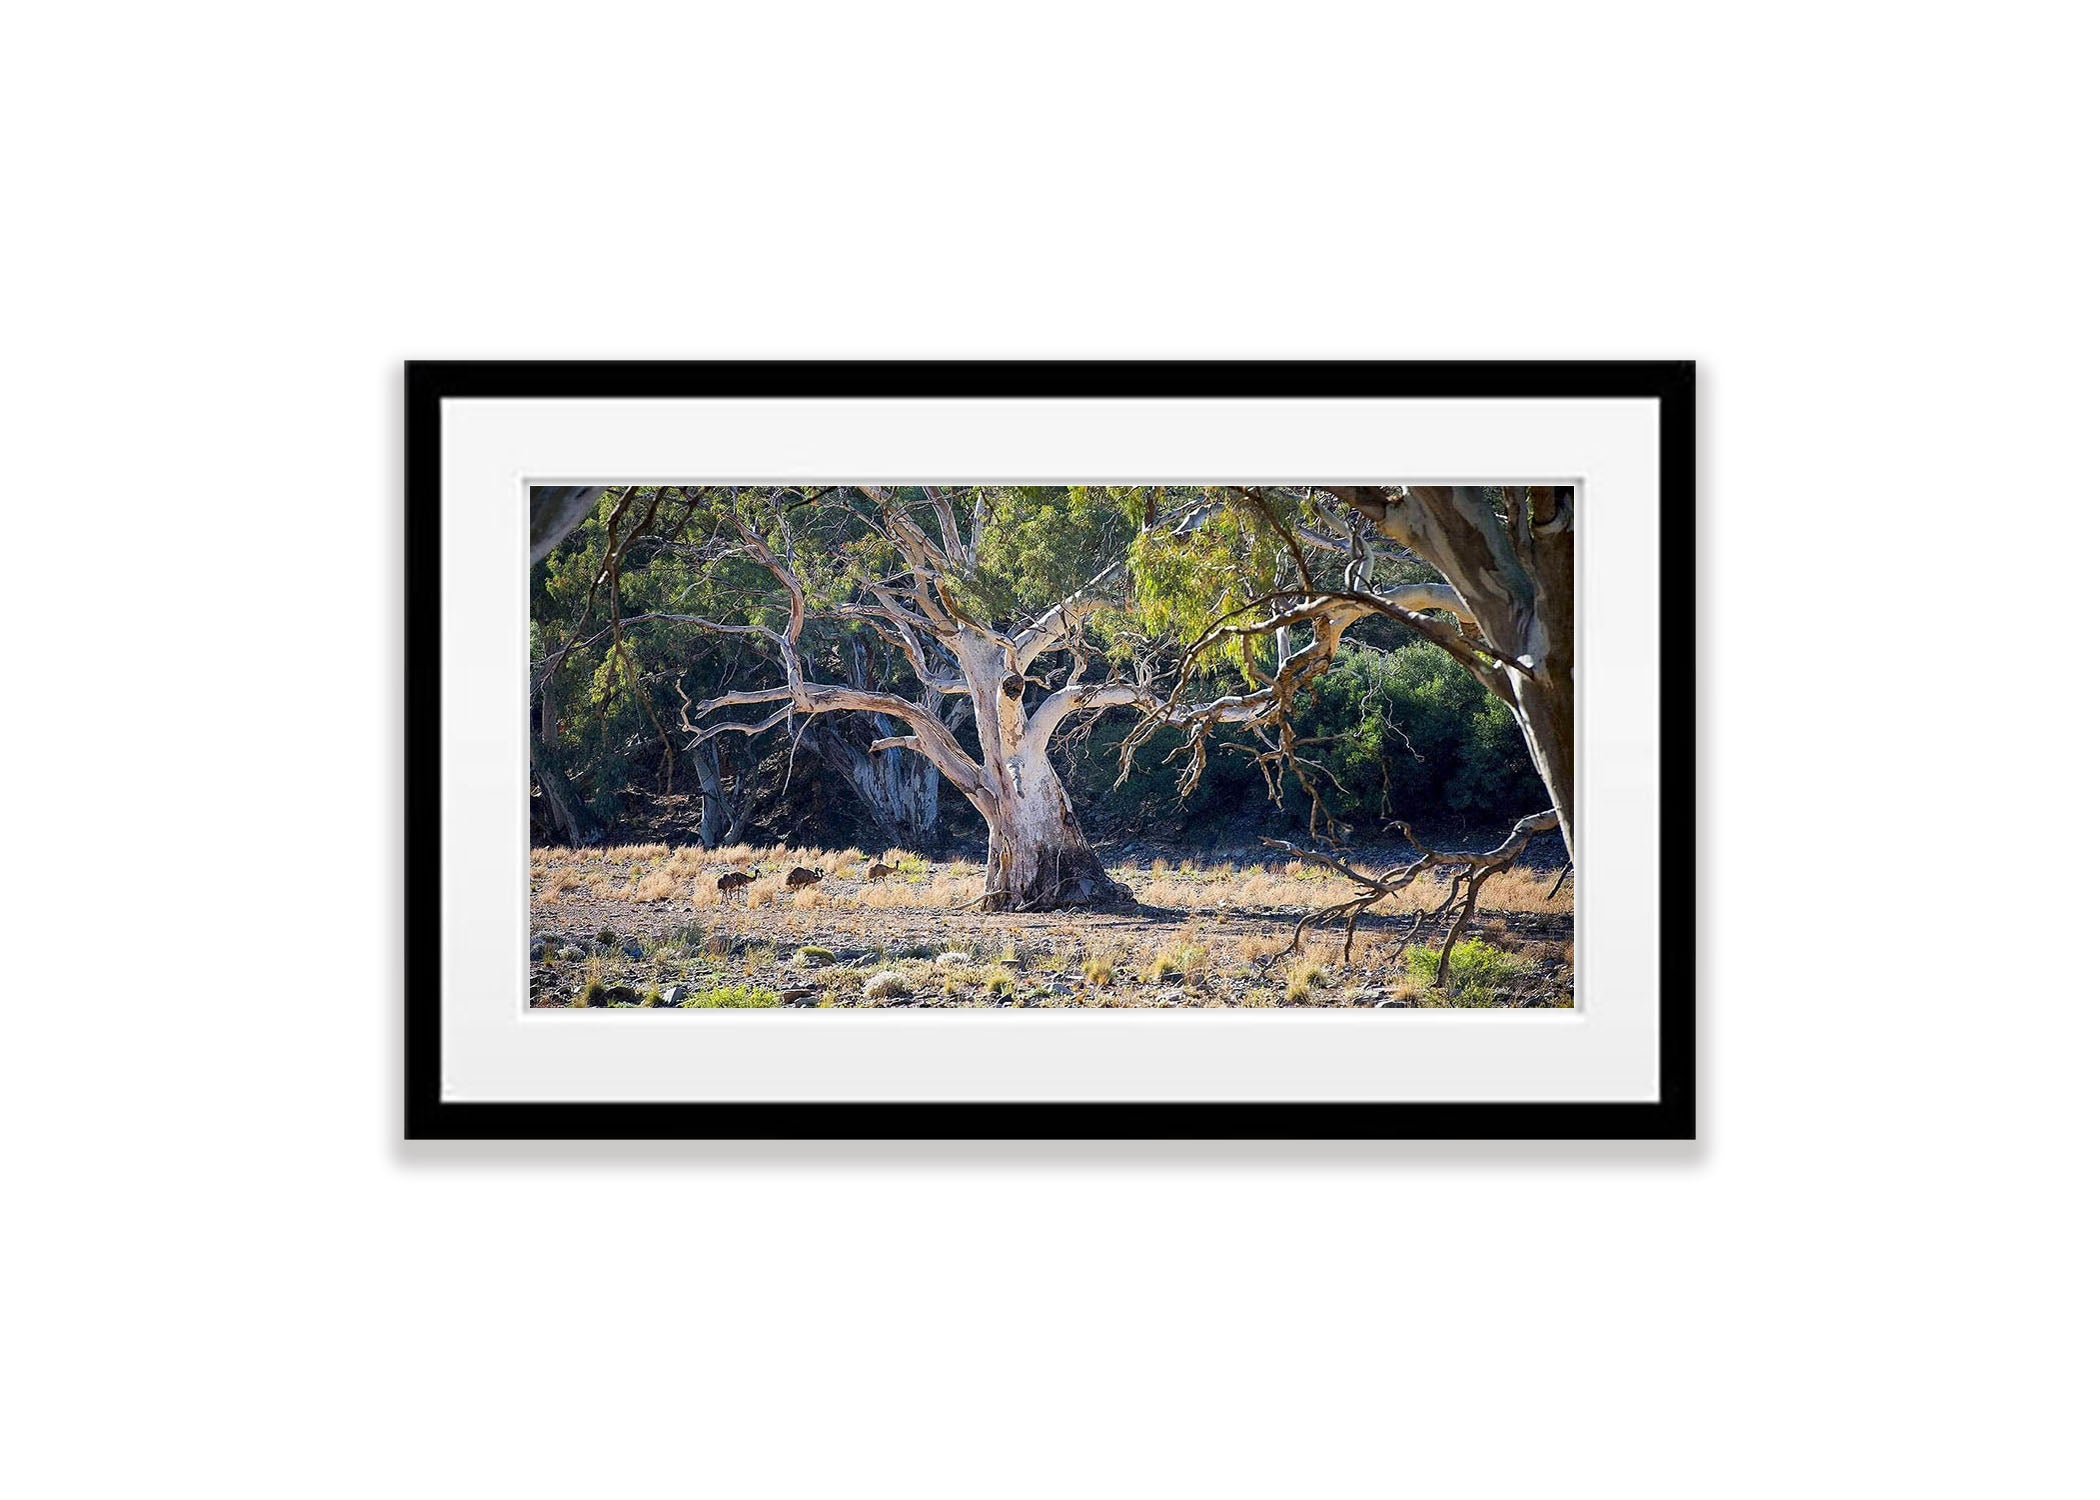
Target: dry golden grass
(647, 874)
(657, 885)
(1306, 976)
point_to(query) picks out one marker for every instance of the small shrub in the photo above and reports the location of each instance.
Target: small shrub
(1478, 970)
(607, 936)
(1175, 961)
(1306, 976)
(814, 957)
(885, 984)
(593, 993)
(1000, 985)
(732, 997)
(1098, 968)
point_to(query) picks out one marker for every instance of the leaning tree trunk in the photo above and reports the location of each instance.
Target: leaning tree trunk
(573, 822)
(721, 812)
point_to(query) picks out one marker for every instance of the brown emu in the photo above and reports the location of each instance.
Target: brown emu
(735, 880)
(800, 877)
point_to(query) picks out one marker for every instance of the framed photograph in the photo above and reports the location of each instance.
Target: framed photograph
(1126, 750)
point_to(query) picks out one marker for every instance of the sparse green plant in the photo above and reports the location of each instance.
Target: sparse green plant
(1306, 976)
(999, 984)
(607, 936)
(1175, 961)
(592, 993)
(1098, 968)
(814, 957)
(732, 997)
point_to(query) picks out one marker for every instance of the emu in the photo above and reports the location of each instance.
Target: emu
(735, 880)
(800, 877)
(881, 871)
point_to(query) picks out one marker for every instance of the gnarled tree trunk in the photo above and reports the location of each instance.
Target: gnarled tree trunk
(573, 821)
(1038, 857)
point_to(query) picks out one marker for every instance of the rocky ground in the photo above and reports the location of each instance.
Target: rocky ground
(645, 926)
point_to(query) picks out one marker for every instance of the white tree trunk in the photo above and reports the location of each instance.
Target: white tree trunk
(1038, 857)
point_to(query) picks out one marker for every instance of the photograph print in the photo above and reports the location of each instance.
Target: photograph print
(1023, 747)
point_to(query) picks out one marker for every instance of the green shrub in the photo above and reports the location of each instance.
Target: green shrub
(731, 996)
(814, 957)
(1478, 970)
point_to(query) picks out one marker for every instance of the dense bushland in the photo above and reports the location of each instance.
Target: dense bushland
(1395, 728)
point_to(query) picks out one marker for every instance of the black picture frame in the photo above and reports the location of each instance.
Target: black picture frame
(428, 1116)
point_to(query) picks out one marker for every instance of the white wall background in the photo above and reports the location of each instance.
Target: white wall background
(1872, 224)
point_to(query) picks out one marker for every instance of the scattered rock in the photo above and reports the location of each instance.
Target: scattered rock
(570, 952)
(952, 956)
(631, 949)
(676, 994)
(798, 997)
(1172, 997)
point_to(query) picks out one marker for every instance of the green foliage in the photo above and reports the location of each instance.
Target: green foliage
(1404, 731)
(731, 997)
(1478, 971)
